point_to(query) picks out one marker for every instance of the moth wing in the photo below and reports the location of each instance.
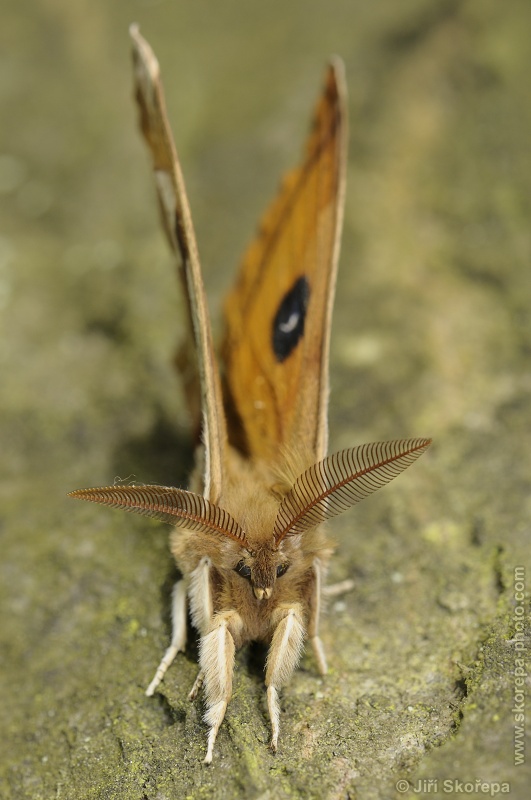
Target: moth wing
(278, 315)
(201, 377)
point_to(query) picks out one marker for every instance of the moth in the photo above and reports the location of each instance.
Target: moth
(248, 537)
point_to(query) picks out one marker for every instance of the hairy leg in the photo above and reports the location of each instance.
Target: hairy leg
(284, 653)
(216, 657)
(337, 589)
(196, 688)
(178, 639)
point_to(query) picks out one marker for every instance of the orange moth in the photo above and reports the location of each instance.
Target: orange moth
(248, 536)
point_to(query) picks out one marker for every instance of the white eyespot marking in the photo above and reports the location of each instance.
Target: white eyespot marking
(290, 324)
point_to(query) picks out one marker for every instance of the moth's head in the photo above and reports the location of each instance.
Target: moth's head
(262, 568)
(263, 545)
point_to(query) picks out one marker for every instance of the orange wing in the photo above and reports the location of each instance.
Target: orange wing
(278, 315)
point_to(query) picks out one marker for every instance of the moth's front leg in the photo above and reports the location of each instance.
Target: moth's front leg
(178, 638)
(284, 653)
(216, 656)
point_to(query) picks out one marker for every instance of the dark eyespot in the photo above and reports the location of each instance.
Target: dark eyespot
(288, 325)
(242, 569)
(281, 569)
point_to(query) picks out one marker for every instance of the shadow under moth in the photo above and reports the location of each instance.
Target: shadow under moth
(248, 537)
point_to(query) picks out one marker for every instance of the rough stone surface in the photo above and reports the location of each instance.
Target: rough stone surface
(432, 336)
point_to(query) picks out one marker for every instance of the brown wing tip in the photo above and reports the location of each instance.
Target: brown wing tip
(139, 43)
(336, 70)
(145, 61)
(330, 115)
(335, 80)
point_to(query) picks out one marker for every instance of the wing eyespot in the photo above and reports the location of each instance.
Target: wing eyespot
(288, 325)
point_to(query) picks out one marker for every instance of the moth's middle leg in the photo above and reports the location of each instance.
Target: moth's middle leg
(216, 657)
(282, 658)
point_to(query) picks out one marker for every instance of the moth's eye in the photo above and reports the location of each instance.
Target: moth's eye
(288, 325)
(281, 569)
(243, 570)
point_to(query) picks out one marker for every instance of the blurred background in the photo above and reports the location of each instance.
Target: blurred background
(431, 337)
